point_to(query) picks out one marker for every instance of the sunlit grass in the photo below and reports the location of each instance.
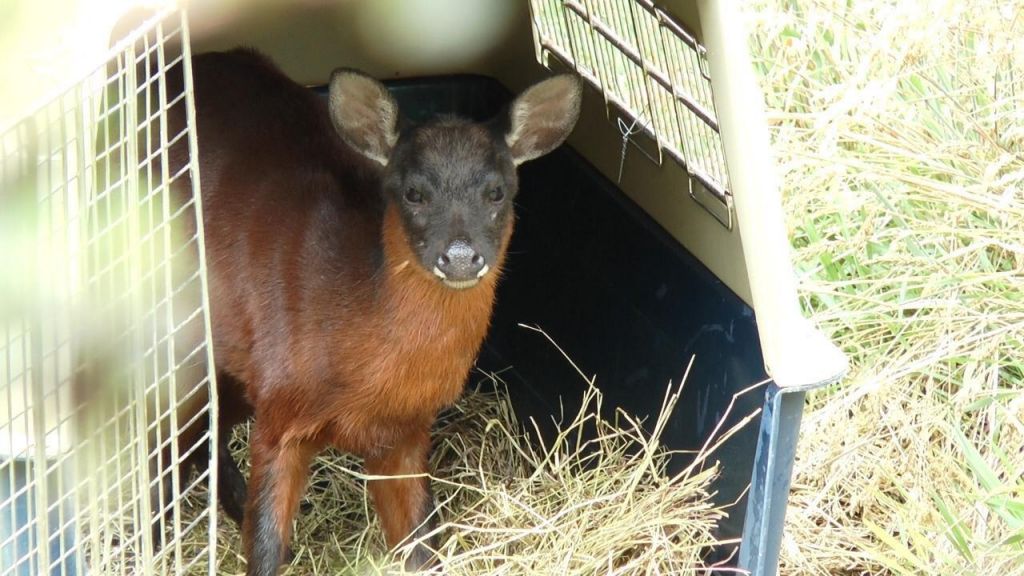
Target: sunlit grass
(899, 128)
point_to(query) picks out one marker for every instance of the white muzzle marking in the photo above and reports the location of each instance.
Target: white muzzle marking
(461, 284)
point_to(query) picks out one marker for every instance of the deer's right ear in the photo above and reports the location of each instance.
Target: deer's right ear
(364, 114)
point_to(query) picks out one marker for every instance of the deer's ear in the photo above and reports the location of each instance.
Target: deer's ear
(542, 117)
(364, 114)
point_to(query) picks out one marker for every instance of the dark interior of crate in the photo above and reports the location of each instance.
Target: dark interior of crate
(624, 300)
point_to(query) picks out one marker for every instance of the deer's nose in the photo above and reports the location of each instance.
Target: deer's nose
(461, 263)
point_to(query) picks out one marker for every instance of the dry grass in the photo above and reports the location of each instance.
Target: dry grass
(900, 132)
(595, 499)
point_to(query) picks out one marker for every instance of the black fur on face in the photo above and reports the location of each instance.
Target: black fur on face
(452, 180)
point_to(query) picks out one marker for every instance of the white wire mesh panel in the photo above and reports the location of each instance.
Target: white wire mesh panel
(105, 391)
(650, 67)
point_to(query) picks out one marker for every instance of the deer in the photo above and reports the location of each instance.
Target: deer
(352, 260)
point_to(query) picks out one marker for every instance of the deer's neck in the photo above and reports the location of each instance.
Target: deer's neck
(429, 333)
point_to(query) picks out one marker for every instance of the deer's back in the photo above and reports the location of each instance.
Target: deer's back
(292, 215)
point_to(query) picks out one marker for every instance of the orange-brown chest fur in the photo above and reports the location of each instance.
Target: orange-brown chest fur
(407, 357)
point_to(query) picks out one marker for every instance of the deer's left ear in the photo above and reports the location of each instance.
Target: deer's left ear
(542, 117)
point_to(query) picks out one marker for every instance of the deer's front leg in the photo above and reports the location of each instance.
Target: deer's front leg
(405, 504)
(278, 477)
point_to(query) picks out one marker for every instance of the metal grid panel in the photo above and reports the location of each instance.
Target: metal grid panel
(105, 389)
(650, 67)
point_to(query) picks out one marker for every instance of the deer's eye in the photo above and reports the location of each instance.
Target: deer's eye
(413, 196)
(496, 194)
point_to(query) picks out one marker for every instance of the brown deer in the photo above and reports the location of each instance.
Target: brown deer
(352, 261)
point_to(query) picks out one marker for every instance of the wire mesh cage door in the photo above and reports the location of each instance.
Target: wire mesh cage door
(649, 67)
(107, 399)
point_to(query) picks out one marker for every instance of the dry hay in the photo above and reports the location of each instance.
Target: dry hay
(594, 499)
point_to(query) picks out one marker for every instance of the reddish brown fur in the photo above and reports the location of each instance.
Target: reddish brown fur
(324, 318)
(362, 360)
(400, 502)
(406, 358)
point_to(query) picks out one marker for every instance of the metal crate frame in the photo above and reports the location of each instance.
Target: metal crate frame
(104, 333)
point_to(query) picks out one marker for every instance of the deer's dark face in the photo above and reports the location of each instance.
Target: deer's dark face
(453, 181)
